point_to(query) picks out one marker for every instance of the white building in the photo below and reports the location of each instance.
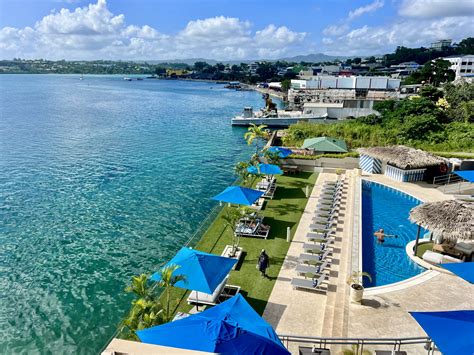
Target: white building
(341, 96)
(442, 43)
(463, 66)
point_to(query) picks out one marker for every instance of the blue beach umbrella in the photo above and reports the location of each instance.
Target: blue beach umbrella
(451, 331)
(232, 327)
(266, 169)
(203, 271)
(282, 152)
(464, 270)
(239, 195)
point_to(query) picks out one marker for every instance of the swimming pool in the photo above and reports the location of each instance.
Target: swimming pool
(387, 208)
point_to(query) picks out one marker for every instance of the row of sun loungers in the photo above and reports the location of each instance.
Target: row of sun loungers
(316, 259)
(268, 185)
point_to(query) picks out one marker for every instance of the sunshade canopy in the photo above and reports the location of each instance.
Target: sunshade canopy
(325, 144)
(466, 174)
(451, 218)
(451, 331)
(463, 270)
(282, 152)
(232, 327)
(266, 169)
(203, 271)
(239, 195)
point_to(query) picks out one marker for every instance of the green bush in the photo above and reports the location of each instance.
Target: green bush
(328, 155)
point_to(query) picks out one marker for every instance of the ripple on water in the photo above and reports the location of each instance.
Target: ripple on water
(100, 179)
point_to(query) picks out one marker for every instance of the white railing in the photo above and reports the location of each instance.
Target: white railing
(358, 344)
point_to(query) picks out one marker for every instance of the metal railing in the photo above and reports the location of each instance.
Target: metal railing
(358, 344)
(447, 179)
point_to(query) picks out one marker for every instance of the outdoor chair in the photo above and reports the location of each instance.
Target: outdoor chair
(314, 284)
(322, 226)
(260, 231)
(325, 219)
(326, 213)
(317, 247)
(317, 237)
(258, 205)
(197, 297)
(313, 259)
(313, 269)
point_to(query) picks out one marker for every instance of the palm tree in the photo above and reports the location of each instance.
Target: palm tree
(231, 217)
(255, 133)
(146, 309)
(272, 157)
(241, 171)
(168, 280)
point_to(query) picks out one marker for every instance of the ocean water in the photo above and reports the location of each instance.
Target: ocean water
(101, 179)
(387, 208)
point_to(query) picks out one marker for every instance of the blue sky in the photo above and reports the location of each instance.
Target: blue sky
(224, 29)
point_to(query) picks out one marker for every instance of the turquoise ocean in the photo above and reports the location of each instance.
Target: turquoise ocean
(101, 179)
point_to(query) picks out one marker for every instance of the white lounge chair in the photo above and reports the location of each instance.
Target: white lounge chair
(314, 284)
(314, 258)
(313, 269)
(316, 237)
(205, 298)
(317, 247)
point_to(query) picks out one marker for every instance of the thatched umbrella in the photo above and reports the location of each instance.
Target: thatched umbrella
(403, 157)
(454, 219)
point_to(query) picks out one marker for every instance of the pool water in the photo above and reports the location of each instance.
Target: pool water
(387, 208)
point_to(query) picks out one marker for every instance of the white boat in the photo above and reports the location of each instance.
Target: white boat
(127, 79)
(274, 118)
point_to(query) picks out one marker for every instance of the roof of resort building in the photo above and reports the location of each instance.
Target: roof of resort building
(403, 157)
(451, 218)
(326, 144)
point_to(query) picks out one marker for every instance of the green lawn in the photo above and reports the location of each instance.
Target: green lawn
(283, 211)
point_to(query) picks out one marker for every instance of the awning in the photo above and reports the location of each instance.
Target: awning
(465, 174)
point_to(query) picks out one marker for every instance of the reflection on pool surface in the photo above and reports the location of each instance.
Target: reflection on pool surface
(387, 208)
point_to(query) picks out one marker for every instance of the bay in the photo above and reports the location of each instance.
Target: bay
(101, 179)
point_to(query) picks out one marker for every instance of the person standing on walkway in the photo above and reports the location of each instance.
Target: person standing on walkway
(263, 263)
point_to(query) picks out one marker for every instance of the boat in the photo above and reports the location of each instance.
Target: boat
(127, 79)
(139, 78)
(82, 77)
(273, 117)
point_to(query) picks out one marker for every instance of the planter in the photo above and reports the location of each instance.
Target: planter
(228, 251)
(357, 292)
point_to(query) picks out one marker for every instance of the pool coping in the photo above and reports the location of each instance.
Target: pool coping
(426, 275)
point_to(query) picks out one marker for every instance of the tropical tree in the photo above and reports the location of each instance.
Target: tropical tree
(241, 170)
(255, 134)
(231, 217)
(272, 157)
(168, 280)
(146, 310)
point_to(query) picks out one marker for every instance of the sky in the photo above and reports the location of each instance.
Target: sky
(224, 29)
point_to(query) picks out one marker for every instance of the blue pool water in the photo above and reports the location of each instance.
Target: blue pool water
(387, 208)
(101, 179)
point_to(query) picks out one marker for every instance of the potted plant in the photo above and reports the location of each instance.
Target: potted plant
(355, 281)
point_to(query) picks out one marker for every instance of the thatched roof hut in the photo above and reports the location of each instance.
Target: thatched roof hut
(403, 157)
(452, 218)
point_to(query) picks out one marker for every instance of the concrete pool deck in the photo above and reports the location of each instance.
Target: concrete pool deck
(383, 313)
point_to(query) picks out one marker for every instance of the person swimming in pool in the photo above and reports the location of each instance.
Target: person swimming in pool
(380, 235)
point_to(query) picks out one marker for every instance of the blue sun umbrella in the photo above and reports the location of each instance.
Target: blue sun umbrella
(265, 169)
(282, 152)
(451, 331)
(239, 195)
(203, 271)
(464, 270)
(232, 327)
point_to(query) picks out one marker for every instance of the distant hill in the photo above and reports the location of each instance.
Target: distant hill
(314, 58)
(311, 58)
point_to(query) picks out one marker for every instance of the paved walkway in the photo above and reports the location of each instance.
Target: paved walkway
(309, 313)
(382, 314)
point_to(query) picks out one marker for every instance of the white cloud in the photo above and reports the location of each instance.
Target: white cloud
(410, 32)
(335, 30)
(93, 32)
(437, 8)
(377, 4)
